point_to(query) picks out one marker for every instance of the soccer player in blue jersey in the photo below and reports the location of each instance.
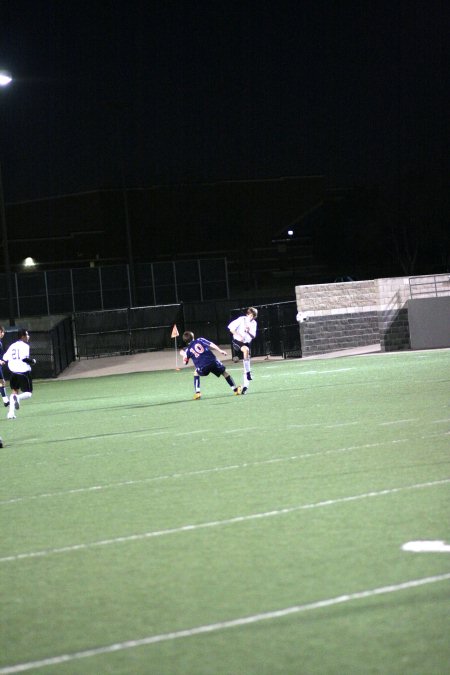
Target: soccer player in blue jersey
(204, 361)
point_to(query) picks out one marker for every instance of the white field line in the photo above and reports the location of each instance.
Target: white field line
(223, 625)
(198, 472)
(220, 523)
(310, 372)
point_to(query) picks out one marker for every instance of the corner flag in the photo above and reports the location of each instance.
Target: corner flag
(175, 332)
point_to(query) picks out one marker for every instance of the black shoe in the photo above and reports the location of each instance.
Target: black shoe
(244, 391)
(6, 404)
(1, 443)
(249, 376)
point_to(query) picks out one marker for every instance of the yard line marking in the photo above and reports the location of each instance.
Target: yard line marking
(427, 546)
(194, 431)
(385, 424)
(224, 625)
(218, 523)
(197, 472)
(341, 424)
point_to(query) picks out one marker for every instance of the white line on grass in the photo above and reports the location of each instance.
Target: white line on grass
(223, 625)
(385, 424)
(219, 523)
(193, 431)
(198, 472)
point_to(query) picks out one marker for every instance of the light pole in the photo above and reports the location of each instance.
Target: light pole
(5, 80)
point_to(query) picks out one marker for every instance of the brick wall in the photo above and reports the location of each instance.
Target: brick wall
(355, 314)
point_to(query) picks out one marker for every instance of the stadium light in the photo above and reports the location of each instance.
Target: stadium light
(5, 80)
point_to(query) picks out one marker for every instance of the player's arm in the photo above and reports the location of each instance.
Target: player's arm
(217, 349)
(29, 362)
(234, 328)
(251, 330)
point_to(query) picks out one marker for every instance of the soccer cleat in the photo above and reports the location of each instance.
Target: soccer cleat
(6, 404)
(244, 391)
(15, 400)
(1, 443)
(197, 396)
(249, 376)
(237, 391)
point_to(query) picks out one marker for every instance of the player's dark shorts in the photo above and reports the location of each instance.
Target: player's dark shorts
(215, 367)
(237, 346)
(22, 381)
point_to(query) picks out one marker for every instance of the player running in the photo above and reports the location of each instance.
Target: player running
(243, 329)
(17, 356)
(204, 361)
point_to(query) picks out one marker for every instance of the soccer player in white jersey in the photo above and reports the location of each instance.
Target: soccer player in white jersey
(243, 329)
(17, 356)
(5, 398)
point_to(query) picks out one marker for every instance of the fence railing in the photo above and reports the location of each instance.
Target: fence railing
(431, 286)
(66, 291)
(125, 331)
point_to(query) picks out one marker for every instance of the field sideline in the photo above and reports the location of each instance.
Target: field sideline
(144, 532)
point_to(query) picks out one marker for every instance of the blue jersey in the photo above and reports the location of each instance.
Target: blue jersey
(203, 358)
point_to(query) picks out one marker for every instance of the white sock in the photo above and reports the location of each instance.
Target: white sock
(24, 395)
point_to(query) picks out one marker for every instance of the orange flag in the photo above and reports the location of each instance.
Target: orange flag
(175, 332)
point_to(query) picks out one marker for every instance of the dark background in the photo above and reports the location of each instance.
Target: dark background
(138, 94)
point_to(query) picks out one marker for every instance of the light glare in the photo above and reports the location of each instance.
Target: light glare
(5, 78)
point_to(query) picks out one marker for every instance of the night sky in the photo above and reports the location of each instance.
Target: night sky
(197, 91)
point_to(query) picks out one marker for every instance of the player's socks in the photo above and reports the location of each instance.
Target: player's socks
(230, 381)
(247, 373)
(24, 395)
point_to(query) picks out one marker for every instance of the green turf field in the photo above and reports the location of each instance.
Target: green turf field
(144, 532)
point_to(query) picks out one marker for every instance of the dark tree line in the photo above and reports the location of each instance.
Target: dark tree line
(400, 229)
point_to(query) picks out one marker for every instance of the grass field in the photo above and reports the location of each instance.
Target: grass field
(144, 532)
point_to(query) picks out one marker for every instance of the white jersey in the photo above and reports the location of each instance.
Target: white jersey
(15, 354)
(244, 328)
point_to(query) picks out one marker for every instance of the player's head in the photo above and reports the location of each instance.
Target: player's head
(22, 334)
(253, 311)
(188, 336)
(2, 331)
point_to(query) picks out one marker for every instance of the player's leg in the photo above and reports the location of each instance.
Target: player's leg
(231, 383)
(3, 393)
(13, 404)
(26, 385)
(247, 371)
(197, 392)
